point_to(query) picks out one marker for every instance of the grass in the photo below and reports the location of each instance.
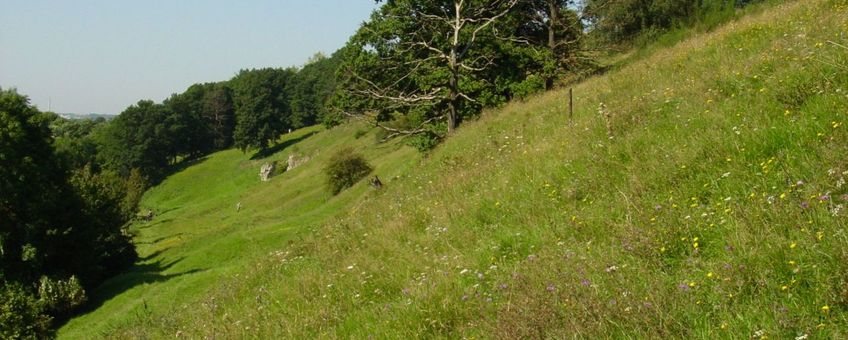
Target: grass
(198, 239)
(716, 210)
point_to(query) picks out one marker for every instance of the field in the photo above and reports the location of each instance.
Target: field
(705, 200)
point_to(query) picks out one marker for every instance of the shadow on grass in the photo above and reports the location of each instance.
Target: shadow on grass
(160, 239)
(138, 274)
(279, 147)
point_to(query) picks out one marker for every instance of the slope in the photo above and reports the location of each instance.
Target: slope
(198, 238)
(708, 202)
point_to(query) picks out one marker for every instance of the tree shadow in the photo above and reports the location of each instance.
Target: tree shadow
(279, 147)
(160, 239)
(138, 274)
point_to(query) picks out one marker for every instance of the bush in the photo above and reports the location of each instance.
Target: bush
(346, 167)
(21, 315)
(59, 297)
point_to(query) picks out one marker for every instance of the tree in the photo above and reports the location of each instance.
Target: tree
(219, 114)
(261, 106)
(54, 227)
(553, 28)
(139, 138)
(621, 20)
(423, 59)
(311, 89)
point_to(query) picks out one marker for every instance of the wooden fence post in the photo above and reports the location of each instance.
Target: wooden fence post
(570, 103)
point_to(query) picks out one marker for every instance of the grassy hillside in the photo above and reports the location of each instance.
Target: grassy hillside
(198, 239)
(709, 204)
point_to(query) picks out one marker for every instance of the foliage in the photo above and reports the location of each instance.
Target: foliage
(21, 314)
(262, 108)
(58, 297)
(443, 61)
(140, 138)
(344, 169)
(311, 89)
(53, 224)
(619, 21)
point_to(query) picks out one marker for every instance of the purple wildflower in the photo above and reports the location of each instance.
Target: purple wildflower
(551, 287)
(684, 287)
(503, 286)
(586, 282)
(464, 297)
(658, 207)
(805, 205)
(824, 198)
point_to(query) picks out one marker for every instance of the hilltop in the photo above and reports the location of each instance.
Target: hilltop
(707, 202)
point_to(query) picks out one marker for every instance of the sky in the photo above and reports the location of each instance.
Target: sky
(90, 56)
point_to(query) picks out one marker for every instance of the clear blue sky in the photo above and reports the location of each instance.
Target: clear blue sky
(102, 56)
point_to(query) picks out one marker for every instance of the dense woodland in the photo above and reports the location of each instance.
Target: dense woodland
(416, 69)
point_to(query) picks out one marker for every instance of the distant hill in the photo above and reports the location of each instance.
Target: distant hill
(86, 115)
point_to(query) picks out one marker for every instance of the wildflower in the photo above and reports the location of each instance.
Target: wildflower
(805, 205)
(792, 245)
(464, 297)
(503, 286)
(683, 286)
(692, 284)
(550, 287)
(824, 198)
(784, 287)
(611, 269)
(531, 257)
(463, 271)
(710, 274)
(802, 337)
(585, 282)
(825, 309)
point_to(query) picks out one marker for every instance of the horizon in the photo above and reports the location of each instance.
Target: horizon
(101, 57)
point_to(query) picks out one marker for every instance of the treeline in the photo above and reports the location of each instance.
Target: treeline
(619, 21)
(251, 110)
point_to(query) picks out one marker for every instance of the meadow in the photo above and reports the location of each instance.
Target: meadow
(708, 202)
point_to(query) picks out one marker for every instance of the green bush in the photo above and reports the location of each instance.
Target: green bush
(346, 167)
(21, 315)
(59, 297)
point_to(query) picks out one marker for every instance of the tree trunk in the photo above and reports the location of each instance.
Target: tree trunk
(553, 20)
(452, 103)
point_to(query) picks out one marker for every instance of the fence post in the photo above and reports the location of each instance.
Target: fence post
(570, 103)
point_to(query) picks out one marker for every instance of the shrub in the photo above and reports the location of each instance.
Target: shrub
(21, 315)
(59, 297)
(346, 167)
